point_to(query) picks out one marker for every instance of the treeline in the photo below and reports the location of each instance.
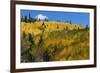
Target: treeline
(29, 19)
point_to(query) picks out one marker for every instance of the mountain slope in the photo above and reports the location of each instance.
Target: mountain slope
(53, 41)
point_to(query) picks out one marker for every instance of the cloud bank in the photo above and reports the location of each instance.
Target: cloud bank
(41, 17)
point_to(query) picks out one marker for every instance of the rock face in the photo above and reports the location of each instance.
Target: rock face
(41, 17)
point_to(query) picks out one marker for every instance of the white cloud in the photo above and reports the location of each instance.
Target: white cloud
(41, 17)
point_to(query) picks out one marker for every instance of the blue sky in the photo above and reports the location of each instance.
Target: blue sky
(74, 17)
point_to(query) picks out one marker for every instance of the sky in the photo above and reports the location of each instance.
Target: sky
(74, 17)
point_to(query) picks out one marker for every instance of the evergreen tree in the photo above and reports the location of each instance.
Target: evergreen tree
(26, 19)
(66, 28)
(30, 38)
(24, 35)
(22, 19)
(34, 20)
(57, 27)
(46, 56)
(39, 20)
(30, 18)
(87, 27)
(46, 20)
(70, 22)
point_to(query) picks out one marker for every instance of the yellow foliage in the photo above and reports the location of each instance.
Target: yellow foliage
(70, 40)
